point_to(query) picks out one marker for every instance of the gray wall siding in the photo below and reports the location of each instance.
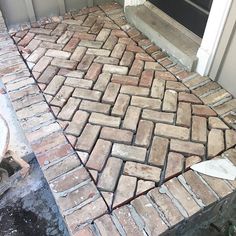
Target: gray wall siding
(22, 11)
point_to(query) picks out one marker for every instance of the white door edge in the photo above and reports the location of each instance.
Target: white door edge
(214, 29)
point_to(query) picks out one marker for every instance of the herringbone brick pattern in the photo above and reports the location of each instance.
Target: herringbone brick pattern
(132, 114)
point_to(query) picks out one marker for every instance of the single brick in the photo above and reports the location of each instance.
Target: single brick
(184, 114)
(186, 147)
(55, 85)
(63, 63)
(142, 171)
(158, 116)
(170, 101)
(105, 120)
(94, 107)
(99, 155)
(199, 129)
(120, 105)
(111, 93)
(216, 142)
(94, 71)
(172, 131)
(134, 90)
(102, 82)
(158, 88)
(142, 102)
(146, 78)
(114, 69)
(118, 50)
(144, 133)
(116, 135)
(87, 94)
(42, 64)
(88, 138)
(129, 153)
(131, 118)
(62, 96)
(127, 59)
(85, 62)
(175, 163)
(110, 175)
(125, 79)
(57, 54)
(203, 110)
(78, 54)
(137, 68)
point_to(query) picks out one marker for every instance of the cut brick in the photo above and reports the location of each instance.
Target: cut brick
(110, 174)
(99, 155)
(216, 143)
(175, 162)
(55, 85)
(129, 153)
(142, 171)
(111, 93)
(63, 63)
(203, 110)
(88, 138)
(134, 90)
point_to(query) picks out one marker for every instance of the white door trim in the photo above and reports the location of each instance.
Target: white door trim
(214, 29)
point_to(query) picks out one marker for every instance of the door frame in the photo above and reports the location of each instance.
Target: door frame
(213, 32)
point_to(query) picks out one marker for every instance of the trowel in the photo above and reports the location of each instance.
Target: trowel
(219, 168)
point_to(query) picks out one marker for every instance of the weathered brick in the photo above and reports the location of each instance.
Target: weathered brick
(65, 37)
(153, 66)
(110, 175)
(103, 35)
(85, 214)
(177, 86)
(78, 54)
(206, 88)
(69, 109)
(71, 45)
(125, 79)
(42, 64)
(62, 96)
(184, 114)
(120, 105)
(144, 133)
(127, 59)
(165, 204)
(175, 163)
(181, 194)
(129, 153)
(189, 97)
(94, 71)
(216, 123)
(87, 94)
(94, 107)
(118, 51)
(146, 78)
(79, 83)
(25, 41)
(191, 161)
(125, 189)
(153, 223)
(48, 74)
(172, 131)
(90, 44)
(63, 63)
(137, 68)
(99, 155)
(158, 116)
(158, 88)
(146, 102)
(105, 120)
(134, 90)
(58, 54)
(136, 170)
(199, 188)
(107, 60)
(122, 70)
(41, 31)
(117, 135)
(186, 147)
(110, 42)
(199, 129)
(111, 93)
(165, 75)
(131, 118)
(98, 52)
(196, 81)
(225, 107)
(78, 122)
(102, 82)
(88, 138)
(170, 101)
(36, 55)
(202, 110)
(216, 143)
(54, 85)
(85, 62)
(230, 138)
(216, 97)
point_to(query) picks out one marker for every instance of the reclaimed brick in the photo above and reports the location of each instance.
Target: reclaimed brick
(87, 94)
(158, 88)
(136, 169)
(153, 223)
(120, 105)
(125, 189)
(216, 123)
(55, 85)
(62, 96)
(165, 75)
(175, 163)
(57, 54)
(94, 107)
(78, 83)
(110, 175)
(102, 82)
(65, 37)
(137, 68)
(77, 124)
(42, 64)
(166, 206)
(69, 109)
(203, 110)
(230, 138)
(196, 81)
(118, 51)
(177, 86)
(111, 93)
(98, 52)
(158, 116)
(153, 66)
(125, 79)
(127, 152)
(134, 90)
(25, 41)
(107, 60)
(191, 161)
(225, 107)
(90, 44)
(181, 194)
(186, 147)
(170, 101)
(206, 89)
(47, 38)
(131, 118)
(216, 97)
(78, 54)
(94, 71)
(146, 78)
(121, 70)
(99, 155)
(50, 45)
(71, 45)
(63, 63)
(199, 129)
(184, 114)
(88, 138)
(146, 102)
(36, 55)
(105, 120)
(189, 97)
(103, 35)
(127, 59)
(172, 131)
(85, 62)
(216, 143)
(110, 42)
(40, 31)
(116, 135)
(144, 133)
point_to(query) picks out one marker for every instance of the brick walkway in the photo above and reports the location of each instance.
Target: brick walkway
(135, 118)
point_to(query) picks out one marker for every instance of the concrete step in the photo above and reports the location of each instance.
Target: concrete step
(176, 40)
